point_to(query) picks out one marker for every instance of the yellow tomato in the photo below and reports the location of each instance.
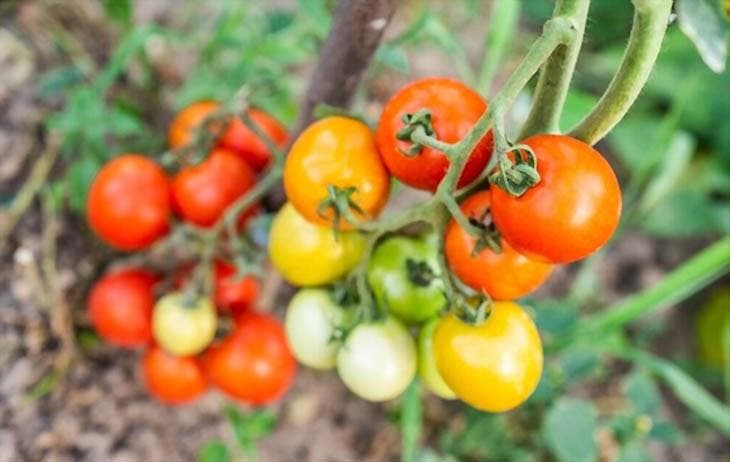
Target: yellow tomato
(309, 255)
(494, 366)
(183, 327)
(341, 152)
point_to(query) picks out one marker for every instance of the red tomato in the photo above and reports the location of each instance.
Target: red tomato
(571, 212)
(230, 294)
(120, 307)
(236, 136)
(504, 276)
(173, 379)
(203, 192)
(129, 202)
(254, 363)
(239, 138)
(455, 108)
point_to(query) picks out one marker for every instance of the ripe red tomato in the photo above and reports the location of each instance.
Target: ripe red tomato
(455, 108)
(236, 135)
(203, 192)
(129, 202)
(120, 306)
(230, 294)
(254, 363)
(173, 379)
(571, 212)
(239, 138)
(504, 276)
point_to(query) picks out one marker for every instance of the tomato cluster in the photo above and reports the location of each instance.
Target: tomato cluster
(131, 206)
(475, 344)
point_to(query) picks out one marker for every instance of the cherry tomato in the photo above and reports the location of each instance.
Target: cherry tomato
(183, 126)
(203, 192)
(128, 205)
(239, 138)
(230, 294)
(254, 363)
(454, 108)
(378, 360)
(427, 370)
(571, 212)
(712, 327)
(504, 276)
(236, 136)
(311, 321)
(404, 276)
(173, 379)
(309, 255)
(120, 307)
(183, 327)
(336, 151)
(494, 366)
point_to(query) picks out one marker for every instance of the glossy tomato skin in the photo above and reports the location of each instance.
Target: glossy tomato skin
(239, 138)
(236, 135)
(128, 204)
(173, 379)
(396, 289)
(427, 370)
(203, 192)
(712, 329)
(311, 320)
(504, 276)
(120, 307)
(183, 327)
(336, 151)
(455, 108)
(253, 364)
(183, 125)
(494, 366)
(571, 212)
(307, 254)
(377, 362)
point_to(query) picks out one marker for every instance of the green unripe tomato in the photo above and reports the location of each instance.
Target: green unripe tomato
(183, 327)
(311, 320)
(427, 370)
(712, 326)
(403, 274)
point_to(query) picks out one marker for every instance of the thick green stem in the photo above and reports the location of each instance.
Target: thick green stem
(650, 23)
(411, 421)
(552, 86)
(692, 275)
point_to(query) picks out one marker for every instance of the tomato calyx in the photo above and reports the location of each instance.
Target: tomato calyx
(340, 201)
(474, 309)
(518, 173)
(488, 235)
(420, 272)
(418, 121)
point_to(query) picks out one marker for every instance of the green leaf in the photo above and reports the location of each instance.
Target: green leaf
(703, 23)
(214, 451)
(119, 11)
(569, 428)
(666, 432)
(684, 213)
(642, 391)
(79, 177)
(251, 427)
(59, 80)
(316, 11)
(555, 316)
(394, 57)
(578, 362)
(634, 451)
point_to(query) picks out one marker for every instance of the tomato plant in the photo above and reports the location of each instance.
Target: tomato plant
(253, 363)
(494, 366)
(454, 108)
(403, 274)
(336, 156)
(377, 360)
(173, 379)
(572, 211)
(202, 193)
(183, 325)
(129, 202)
(503, 273)
(120, 306)
(230, 293)
(309, 254)
(311, 323)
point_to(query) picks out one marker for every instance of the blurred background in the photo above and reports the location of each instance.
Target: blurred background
(107, 76)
